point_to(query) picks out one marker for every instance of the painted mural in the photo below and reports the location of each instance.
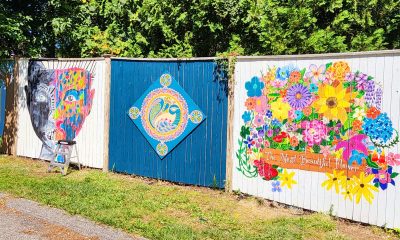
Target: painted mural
(165, 114)
(324, 118)
(58, 100)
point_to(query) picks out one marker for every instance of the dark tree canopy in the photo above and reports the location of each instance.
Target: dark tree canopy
(188, 28)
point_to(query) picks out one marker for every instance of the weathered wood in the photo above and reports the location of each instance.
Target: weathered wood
(107, 85)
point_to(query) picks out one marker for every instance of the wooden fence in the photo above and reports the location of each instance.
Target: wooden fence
(320, 132)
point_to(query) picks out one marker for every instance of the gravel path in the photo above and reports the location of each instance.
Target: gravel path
(24, 219)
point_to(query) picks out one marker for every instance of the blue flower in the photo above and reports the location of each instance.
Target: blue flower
(249, 142)
(283, 73)
(276, 186)
(268, 113)
(356, 156)
(313, 87)
(254, 87)
(275, 122)
(246, 116)
(299, 115)
(378, 129)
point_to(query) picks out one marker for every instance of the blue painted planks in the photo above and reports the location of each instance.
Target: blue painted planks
(200, 157)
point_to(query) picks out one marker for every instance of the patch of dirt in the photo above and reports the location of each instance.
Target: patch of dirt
(357, 231)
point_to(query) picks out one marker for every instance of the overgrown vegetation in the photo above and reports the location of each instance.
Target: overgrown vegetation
(171, 28)
(158, 210)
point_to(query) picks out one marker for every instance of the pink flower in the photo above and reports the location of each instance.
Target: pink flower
(316, 73)
(393, 159)
(292, 114)
(325, 150)
(314, 131)
(383, 176)
(270, 132)
(261, 105)
(354, 143)
(259, 120)
(278, 84)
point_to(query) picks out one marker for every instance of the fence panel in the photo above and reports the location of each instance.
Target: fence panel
(66, 101)
(320, 132)
(200, 157)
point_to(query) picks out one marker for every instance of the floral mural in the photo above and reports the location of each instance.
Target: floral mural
(323, 118)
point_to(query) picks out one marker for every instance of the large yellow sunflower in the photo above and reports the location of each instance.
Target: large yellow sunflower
(333, 101)
(280, 109)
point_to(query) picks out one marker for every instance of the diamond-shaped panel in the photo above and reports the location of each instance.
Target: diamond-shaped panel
(165, 114)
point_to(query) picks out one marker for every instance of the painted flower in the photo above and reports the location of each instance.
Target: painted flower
(349, 76)
(379, 129)
(314, 131)
(287, 179)
(292, 114)
(393, 159)
(280, 109)
(276, 186)
(270, 132)
(354, 143)
(370, 93)
(316, 73)
(347, 194)
(378, 158)
(383, 177)
(307, 111)
(259, 120)
(325, 150)
(254, 87)
(265, 170)
(250, 103)
(295, 76)
(268, 114)
(298, 96)
(333, 101)
(359, 113)
(333, 180)
(283, 73)
(378, 98)
(294, 142)
(279, 84)
(339, 70)
(357, 125)
(361, 80)
(261, 104)
(246, 116)
(313, 88)
(357, 157)
(363, 187)
(249, 142)
(299, 115)
(373, 112)
(359, 102)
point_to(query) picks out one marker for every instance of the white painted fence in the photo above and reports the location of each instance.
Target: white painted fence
(90, 140)
(308, 193)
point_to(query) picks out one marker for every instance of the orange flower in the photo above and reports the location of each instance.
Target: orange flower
(283, 93)
(357, 125)
(335, 142)
(294, 141)
(307, 111)
(338, 71)
(295, 76)
(373, 112)
(250, 103)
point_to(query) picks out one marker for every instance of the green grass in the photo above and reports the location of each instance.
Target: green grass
(159, 210)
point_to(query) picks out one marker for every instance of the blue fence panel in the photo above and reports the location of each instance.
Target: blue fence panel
(200, 158)
(6, 73)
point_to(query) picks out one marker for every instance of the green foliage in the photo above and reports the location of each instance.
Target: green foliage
(171, 28)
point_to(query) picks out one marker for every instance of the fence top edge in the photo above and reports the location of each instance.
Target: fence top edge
(166, 59)
(323, 55)
(66, 59)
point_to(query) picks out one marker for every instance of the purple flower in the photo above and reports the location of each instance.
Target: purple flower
(370, 92)
(261, 133)
(268, 113)
(378, 98)
(276, 186)
(349, 76)
(298, 96)
(361, 80)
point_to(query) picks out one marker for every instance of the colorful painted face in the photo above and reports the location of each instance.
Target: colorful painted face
(58, 101)
(73, 101)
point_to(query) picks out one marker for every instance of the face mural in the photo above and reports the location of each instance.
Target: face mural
(58, 100)
(324, 118)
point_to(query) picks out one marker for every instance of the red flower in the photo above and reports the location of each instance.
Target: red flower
(278, 138)
(284, 135)
(265, 170)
